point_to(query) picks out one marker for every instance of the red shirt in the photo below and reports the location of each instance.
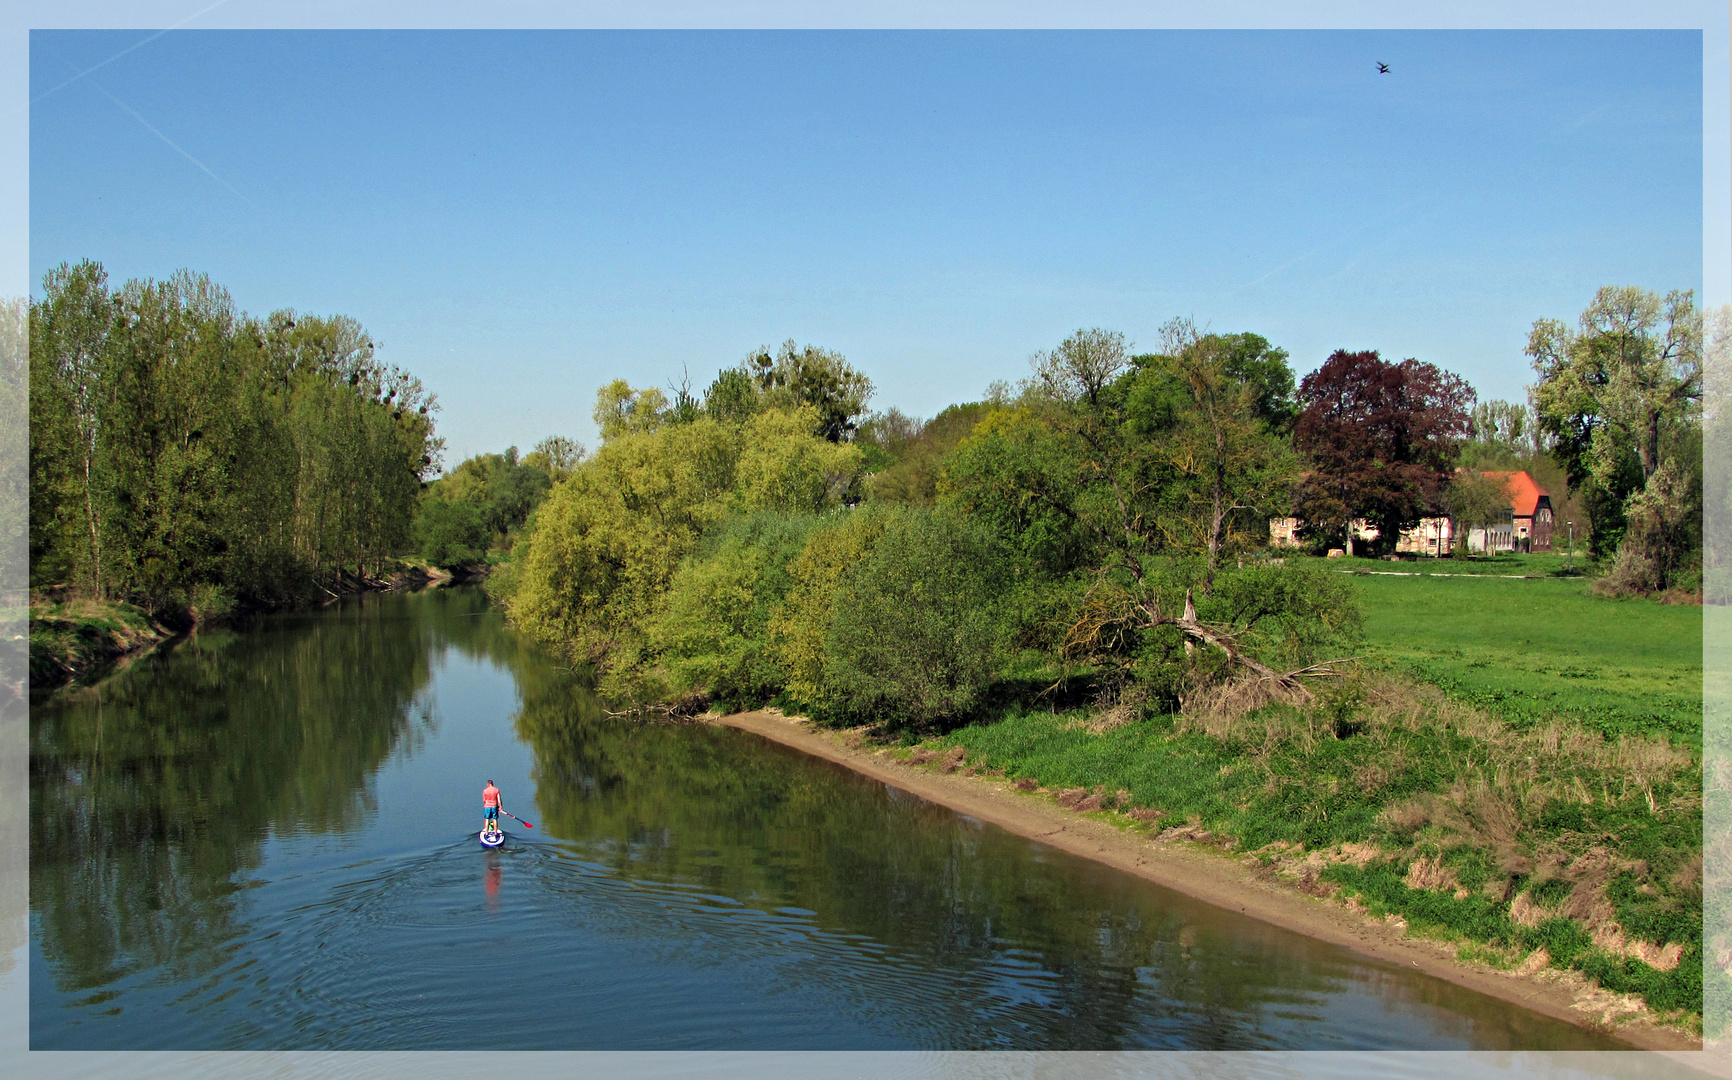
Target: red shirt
(489, 796)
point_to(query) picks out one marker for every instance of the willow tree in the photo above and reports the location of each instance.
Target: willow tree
(596, 559)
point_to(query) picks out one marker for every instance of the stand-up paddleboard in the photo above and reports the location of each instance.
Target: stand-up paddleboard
(491, 839)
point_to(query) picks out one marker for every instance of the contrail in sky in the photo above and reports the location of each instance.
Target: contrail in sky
(135, 115)
(129, 48)
(1398, 211)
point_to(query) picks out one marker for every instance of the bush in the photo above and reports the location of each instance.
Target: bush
(711, 629)
(915, 634)
(800, 623)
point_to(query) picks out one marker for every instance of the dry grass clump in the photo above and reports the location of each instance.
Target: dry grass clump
(1224, 710)
(1430, 873)
(1115, 707)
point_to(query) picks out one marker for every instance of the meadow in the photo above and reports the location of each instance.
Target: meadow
(1533, 650)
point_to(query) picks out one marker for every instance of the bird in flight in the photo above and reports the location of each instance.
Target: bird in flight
(1382, 68)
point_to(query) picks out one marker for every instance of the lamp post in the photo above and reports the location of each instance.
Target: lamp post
(1572, 562)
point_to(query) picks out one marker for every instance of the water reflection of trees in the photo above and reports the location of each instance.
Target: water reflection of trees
(151, 793)
(773, 829)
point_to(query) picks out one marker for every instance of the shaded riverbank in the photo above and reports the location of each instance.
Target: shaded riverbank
(1214, 878)
(76, 640)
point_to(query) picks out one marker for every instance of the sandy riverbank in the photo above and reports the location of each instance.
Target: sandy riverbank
(1219, 879)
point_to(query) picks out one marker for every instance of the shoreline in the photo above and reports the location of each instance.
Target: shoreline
(1220, 880)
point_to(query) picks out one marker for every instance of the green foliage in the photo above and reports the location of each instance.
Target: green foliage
(811, 377)
(800, 624)
(596, 558)
(484, 501)
(450, 533)
(1476, 501)
(1025, 479)
(176, 443)
(908, 454)
(915, 633)
(1621, 398)
(711, 630)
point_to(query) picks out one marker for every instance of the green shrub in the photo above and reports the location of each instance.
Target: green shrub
(711, 631)
(915, 634)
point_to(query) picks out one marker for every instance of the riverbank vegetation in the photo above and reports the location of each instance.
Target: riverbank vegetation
(473, 513)
(1070, 583)
(188, 458)
(73, 639)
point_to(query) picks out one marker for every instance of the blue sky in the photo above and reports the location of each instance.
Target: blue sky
(519, 216)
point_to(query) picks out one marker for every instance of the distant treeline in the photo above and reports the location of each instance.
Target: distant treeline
(186, 455)
(478, 507)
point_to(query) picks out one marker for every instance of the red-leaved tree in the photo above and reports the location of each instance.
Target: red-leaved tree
(1381, 440)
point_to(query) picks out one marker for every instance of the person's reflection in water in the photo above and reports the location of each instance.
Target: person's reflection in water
(494, 873)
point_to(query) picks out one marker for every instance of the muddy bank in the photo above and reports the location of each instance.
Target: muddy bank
(1216, 878)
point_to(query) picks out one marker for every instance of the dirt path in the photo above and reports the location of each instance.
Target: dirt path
(1214, 878)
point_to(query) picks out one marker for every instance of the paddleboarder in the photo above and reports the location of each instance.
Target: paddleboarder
(489, 808)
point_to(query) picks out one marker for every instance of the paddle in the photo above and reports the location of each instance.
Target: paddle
(515, 818)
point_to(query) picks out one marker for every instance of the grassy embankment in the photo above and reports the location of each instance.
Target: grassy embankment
(73, 639)
(1516, 768)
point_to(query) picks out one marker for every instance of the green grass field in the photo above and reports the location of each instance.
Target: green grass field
(1543, 564)
(1530, 650)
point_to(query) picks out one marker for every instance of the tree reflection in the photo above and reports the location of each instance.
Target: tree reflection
(152, 792)
(771, 828)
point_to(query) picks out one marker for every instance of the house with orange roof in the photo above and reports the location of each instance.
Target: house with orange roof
(1529, 527)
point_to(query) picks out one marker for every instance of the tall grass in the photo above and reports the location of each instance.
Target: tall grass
(1525, 836)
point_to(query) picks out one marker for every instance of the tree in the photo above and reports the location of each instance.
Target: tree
(1717, 438)
(710, 630)
(1140, 471)
(450, 533)
(915, 636)
(732, 398)
(68, 334)
(1476, 501)
(1381, 439)
(600, 552)
(555, 455)
(1213, 411)
(621, 410)
(14, 447)
(812, 376)
(907, 454)
(1502, 435)
(1621, 396)
(1111, 459)
(178, 445)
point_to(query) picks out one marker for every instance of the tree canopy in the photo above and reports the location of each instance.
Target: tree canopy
(180, 447)
(1380, 440)
(1621, 396)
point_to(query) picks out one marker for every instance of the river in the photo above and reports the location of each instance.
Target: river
(264, 838)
